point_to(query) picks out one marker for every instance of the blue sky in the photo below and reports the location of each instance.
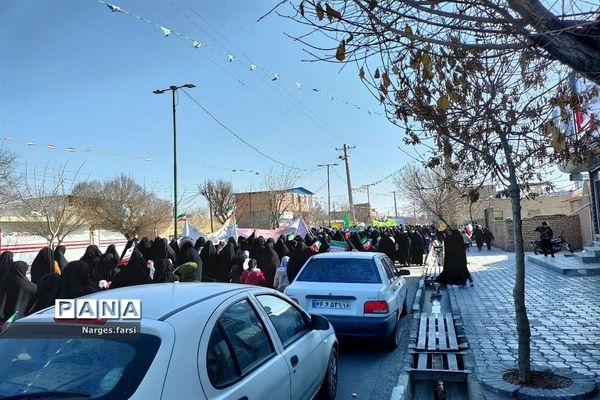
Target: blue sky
(75, 74)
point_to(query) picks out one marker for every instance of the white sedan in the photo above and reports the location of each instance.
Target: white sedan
(361, 294)
(194, 341)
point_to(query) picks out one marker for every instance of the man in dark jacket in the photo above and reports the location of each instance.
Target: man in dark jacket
(546, 235)
(488, 238)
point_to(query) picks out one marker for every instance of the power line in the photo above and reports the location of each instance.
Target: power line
(241, 138)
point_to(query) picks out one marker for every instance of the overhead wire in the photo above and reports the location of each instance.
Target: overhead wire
(241, 139)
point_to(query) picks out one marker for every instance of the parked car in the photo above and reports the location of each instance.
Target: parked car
(361, 294)
(196, 341)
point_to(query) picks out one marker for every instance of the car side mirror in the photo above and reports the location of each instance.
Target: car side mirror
(318, 322)
(402, 272)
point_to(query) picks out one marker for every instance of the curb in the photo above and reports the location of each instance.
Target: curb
(403, 389)
(418, 300)
(582, 386)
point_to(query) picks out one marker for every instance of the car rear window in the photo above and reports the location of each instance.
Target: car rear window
(340, 270)
(101, 368)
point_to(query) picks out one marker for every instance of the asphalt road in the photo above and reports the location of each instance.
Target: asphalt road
(368, 370)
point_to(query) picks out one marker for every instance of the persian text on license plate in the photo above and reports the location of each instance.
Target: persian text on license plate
(331, 304)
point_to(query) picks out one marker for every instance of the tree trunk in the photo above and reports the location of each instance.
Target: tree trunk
(523, 329)
(471, 213)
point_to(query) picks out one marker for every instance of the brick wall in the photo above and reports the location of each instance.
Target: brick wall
(569, 225)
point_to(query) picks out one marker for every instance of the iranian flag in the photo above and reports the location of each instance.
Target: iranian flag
(366, 243)
(182, 217)
(229, 212)
(316, 246)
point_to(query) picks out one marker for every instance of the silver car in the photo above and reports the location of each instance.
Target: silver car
(194, 341)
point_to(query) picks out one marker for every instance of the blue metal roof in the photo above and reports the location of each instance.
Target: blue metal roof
(300, 190)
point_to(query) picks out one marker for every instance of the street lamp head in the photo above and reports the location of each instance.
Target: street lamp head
(158, 91)
(189, 85)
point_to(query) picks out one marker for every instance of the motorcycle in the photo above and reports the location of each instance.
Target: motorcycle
(558, 243)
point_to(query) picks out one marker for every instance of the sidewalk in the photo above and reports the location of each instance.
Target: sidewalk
(563, 313)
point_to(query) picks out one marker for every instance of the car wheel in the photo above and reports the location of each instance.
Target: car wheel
(393, 340)
(329, 386)
(404, 311)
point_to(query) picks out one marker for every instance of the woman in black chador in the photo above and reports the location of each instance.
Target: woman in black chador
(403, 242)
(112, 249)
(6, 262)
(455, 270)
(269, 262)
(281, 248)
(387, 246)
(92, 258)
(224, 262)
(134, 273)
(43, 297)
(59, 256)
(15, 291)
(42, 264)
(75, 281)
(299, 256)
(416, 248)
(208, 255)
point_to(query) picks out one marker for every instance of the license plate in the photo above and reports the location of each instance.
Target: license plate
(331, 304)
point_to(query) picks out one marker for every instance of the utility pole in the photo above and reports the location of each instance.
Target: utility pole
(345, 149)
(368, 199)
(328, 190)
(395, 206)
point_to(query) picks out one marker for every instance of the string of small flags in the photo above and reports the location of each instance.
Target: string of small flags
(147, 159)
(232, 57)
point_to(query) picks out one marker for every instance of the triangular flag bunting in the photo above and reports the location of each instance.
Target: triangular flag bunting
(166, 31)
(114, 8)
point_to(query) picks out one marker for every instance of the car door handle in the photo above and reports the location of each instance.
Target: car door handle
(294, 361)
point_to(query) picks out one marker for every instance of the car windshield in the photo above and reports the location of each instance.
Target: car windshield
(94, 367)
(346, 270)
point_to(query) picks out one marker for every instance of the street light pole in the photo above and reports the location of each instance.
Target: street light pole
(328, 191)
(173, 89)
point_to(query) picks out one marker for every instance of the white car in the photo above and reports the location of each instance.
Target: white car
(360, 293)
(195, 341)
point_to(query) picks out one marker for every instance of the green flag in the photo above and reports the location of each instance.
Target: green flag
(13, 318)
(346, 221)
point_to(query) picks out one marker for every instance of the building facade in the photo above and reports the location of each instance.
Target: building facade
(271, 209)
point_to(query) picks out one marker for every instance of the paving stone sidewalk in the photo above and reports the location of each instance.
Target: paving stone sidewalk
(563, 313)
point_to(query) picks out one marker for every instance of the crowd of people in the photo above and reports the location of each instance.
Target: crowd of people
(252, 260)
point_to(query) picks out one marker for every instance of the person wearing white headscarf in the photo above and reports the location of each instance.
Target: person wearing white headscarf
(281, 279)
